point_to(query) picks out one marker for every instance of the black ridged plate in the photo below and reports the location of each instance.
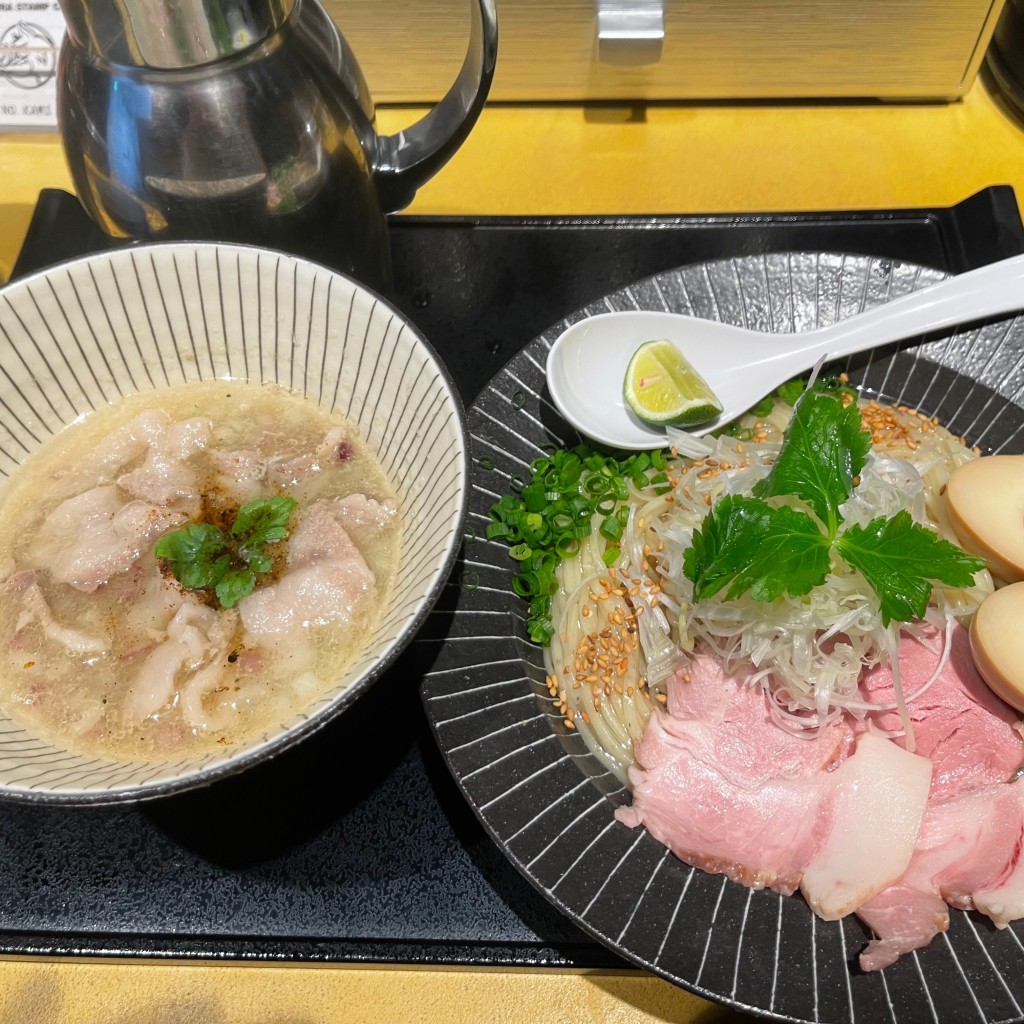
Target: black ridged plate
(547, 802)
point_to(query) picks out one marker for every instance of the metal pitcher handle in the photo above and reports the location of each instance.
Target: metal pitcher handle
(403, 162)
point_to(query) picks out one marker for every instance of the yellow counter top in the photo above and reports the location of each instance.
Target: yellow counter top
(557, 159)
(665, 158)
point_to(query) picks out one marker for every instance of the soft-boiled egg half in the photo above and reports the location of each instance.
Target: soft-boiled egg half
(985, 500)
(997, 645)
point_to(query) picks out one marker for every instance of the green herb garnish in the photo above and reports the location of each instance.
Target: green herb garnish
(751, 544)
(898, 558)
(552, 513)
(202, 557)
(747, 544)
(789, 393)
(825, 447)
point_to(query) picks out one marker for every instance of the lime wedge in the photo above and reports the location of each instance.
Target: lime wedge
(662, 388)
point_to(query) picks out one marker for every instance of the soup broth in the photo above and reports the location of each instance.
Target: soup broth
(106, 652)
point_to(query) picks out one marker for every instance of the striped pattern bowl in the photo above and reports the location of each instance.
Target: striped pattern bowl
(87, 332)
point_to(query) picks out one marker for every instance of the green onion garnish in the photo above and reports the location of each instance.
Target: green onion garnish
(549, 516)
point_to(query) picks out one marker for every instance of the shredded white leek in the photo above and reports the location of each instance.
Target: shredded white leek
(807, 653)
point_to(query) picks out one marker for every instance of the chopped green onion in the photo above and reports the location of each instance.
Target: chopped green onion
(548, 516)
(567, 546)
(791, 390)
(611, 528)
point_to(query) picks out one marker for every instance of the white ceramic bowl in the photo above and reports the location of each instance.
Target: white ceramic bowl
(86, 332)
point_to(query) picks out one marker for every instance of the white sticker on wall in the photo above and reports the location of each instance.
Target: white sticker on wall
(30, 36)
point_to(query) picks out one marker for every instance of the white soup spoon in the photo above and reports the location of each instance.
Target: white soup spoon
(587, 363)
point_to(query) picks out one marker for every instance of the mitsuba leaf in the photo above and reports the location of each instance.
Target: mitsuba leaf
(258, 562)
(263, 521)
(901, 559)
(197, 554)
(824, 448)
(749, 545)
(201, 557)
(234, 585)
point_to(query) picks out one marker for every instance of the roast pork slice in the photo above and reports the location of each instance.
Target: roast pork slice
(970, 735)
(720, 784)
(905, 918)
(968, 852)
(1002, 898)
(727, 789)
(877, 799)
(852, 818)
(967, 845)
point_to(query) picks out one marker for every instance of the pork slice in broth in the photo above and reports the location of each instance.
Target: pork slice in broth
(101, 465)
(239, 474)
(197, 637)
(23, 587)
(93, 536)
(360, 512)
(291, 471)
(166, 475)
(327, 580)
(149, 600)
(107, 651)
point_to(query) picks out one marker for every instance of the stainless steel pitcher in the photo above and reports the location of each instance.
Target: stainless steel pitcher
(247, 121)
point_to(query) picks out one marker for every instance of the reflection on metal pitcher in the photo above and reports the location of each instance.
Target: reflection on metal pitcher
(247, 120)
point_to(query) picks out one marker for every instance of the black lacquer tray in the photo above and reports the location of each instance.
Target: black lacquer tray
(357, 846)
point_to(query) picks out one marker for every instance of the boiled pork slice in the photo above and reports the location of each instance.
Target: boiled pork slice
(327, 580)
(95, 535)
(365, 514)
(239, 475)
(196, 641)
(726, 789)
(292, 471)
(165, 475)
(24, 586)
